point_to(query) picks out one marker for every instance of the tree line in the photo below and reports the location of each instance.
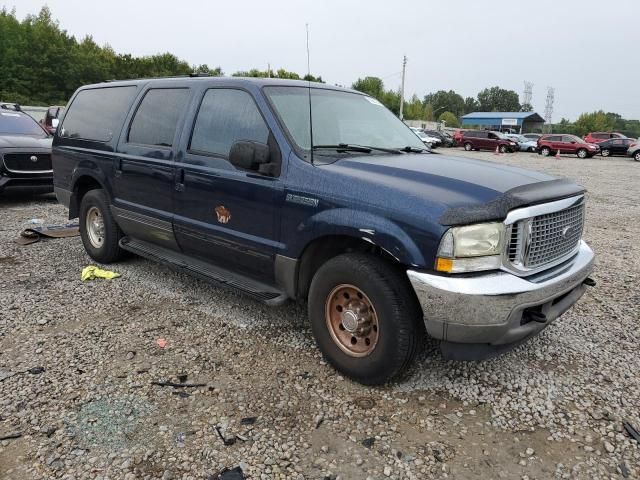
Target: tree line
(41, 64)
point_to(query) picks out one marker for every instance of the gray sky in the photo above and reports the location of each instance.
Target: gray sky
(586, 49)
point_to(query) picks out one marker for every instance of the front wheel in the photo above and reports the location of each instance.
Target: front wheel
(98, 229)
(365, 317)
(582, 153)
(636, 156)
(503, 149)
(605, 152)
(468, 147)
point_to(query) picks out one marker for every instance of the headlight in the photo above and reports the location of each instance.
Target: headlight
(471, 248)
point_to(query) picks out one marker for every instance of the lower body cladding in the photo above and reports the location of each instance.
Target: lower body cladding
(480, 316)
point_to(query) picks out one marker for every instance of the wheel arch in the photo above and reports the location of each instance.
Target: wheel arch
(82, 182)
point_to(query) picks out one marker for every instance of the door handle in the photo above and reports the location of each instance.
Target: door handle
(179, 186)
(118, 167)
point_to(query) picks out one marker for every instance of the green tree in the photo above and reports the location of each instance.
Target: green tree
(413, 109)
(428, 112)
(594, 122)
(526, 107)
(471, 105)
(372, 86)
(450, 119)
(448, 101)
(496, 99)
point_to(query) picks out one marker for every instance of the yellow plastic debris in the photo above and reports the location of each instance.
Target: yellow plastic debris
(91, 272)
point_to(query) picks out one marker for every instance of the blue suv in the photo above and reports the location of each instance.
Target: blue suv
(289, 190)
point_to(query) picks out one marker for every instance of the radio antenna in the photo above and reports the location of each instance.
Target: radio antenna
(309, 89)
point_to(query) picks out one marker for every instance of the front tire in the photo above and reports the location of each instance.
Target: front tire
(503, 149)
(606, 152)
(98, 229)
(636, 156)
(582, 153)
(365, 319)
(468, 147)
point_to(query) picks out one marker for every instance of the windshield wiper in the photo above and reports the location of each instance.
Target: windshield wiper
(410, 149)
(350, 147)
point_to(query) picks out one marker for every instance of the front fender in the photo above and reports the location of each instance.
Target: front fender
(367, 226)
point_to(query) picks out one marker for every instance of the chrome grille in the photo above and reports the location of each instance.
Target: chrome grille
(537, 241)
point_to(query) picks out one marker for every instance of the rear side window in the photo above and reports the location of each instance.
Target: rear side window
(554, 138)
(97, 114)
(601, 135)
(225, 117)
(156, 119)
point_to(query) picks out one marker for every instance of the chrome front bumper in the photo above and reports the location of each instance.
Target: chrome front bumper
(497, 308)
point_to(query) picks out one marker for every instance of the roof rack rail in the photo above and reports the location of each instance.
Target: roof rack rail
(191, 75)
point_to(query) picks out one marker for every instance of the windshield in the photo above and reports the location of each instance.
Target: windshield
(501, 135)
(339, 118)
(19, 124)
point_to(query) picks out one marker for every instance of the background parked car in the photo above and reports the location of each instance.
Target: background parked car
(532, 136)
(457, 136)
(50, 121)
(428, 140)
(524, 144)
(25, 154)
(485, 140)
(634, 150)
(446, 140)
(597, 137)
(615, 146)
(550, 144)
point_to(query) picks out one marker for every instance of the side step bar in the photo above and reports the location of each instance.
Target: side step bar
(206, 271)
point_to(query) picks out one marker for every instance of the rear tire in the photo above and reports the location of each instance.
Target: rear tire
(545, 151)
(468, 147)
(606, 152)
(636, 156)
(349, 295)
(582, 153)
(98, 229)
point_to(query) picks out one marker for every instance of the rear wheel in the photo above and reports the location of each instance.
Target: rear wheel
(468, 147)
(365, 318)
(582, 153)
(98, 229)
(605, 152)
(545, 151)
(636, 156)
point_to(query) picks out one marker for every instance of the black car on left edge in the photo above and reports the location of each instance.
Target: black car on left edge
(25, 154)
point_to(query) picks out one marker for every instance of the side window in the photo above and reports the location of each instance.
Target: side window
(493, 136)
(97, 114)
(568, 139)
(156, 119)
(601, 135)
(618, 142)
(225, 117)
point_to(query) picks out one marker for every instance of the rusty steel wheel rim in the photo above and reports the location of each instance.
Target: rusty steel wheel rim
(352, 321)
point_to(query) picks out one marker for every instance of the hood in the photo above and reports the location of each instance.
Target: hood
(24, 141)
(455, 184)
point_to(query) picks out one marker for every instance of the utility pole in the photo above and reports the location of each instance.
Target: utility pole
(548, 109)
(404, 65)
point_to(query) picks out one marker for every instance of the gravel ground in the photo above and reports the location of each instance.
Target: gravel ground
(77, 362)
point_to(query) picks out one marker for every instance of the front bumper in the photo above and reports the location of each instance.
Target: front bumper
(40, 183)
(479, 316)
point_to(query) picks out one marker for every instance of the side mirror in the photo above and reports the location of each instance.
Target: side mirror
(55, 122)
(255, 156)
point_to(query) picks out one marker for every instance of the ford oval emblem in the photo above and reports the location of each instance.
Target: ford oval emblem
(33, 158)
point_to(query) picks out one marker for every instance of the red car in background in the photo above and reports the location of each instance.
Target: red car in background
(553, 143)
(597, 137)
(53, 113)
(457, 136)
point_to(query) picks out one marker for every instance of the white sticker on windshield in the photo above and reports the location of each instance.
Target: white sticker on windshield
(10, 114)
(374, 101)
